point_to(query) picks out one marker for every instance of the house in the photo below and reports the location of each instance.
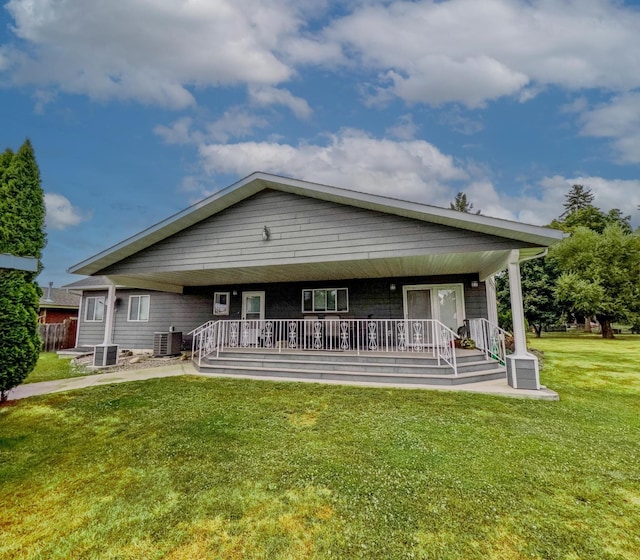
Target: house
(281, 266)
(58, 305)
(58, 317)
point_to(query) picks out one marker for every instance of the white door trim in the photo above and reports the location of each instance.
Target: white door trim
(435, 310)
(244, 309)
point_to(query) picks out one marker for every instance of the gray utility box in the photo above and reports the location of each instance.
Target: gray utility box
(105, 355)
(167, 343)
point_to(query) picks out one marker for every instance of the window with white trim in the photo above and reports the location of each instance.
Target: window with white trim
(221, 303)
(94, 309)
(325, 300)
(138, 308)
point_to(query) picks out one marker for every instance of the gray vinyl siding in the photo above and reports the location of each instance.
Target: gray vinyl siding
(183, 312)
(301, 230)
(90, 332)
(475, 301)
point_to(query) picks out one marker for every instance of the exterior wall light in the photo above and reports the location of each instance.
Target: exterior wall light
(392, 287)
(265, 233)
(474, 283)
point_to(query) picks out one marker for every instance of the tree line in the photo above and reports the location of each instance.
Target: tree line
(594, 272)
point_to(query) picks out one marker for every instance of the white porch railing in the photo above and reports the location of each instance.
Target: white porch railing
(489, 338)
(356, 335)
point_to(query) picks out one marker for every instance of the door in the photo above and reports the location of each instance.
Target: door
(252, 318)
(444, 303)
(418, 303)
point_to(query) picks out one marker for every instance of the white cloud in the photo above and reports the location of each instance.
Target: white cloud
(404, 129)
(472, 81)
(460, 122)
(43, 98)
(623, 194)
(4, 58)
(465, 51)
(413, 170)
(578, 105)
(178, 132)
(61, 214)
(150, 51)
(266, 95)
(619, 120)
(236, 122)
(472, 52)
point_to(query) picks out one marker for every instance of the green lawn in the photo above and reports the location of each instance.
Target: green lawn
(50, 366)
(190, 468)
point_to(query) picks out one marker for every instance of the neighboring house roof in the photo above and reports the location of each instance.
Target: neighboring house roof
(256, 182)
(58, 298)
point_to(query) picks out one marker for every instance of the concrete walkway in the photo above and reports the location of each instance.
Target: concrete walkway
(59, 385)
(497, 387)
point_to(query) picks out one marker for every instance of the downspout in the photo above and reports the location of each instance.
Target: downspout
(544, 253)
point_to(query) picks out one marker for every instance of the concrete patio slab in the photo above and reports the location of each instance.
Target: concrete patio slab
(497, 387)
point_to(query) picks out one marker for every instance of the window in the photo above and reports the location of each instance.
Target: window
(325, 299)
(221, 303)
(138, 308)
(94, 310)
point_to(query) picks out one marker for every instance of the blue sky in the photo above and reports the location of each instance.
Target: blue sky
(138, 108)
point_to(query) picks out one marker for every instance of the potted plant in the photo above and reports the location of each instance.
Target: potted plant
(468, 343)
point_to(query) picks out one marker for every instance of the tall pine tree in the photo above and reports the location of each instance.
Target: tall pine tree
(22, 214)
(461, 204)
(578, 198)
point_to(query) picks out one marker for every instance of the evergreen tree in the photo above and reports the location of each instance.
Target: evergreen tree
(22, 213)
(461, 204)
(577, 198)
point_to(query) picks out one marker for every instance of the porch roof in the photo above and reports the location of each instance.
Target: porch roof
(532, 238)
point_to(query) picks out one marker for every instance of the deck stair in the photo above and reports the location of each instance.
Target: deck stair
(400, 368)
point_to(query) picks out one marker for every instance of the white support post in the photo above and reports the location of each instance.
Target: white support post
(517, 306)
(109, 311)
(106, 354)
(492, 300)
(522, 367)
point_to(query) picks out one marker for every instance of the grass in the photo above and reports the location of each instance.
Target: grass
(200, 468)
(50, 366)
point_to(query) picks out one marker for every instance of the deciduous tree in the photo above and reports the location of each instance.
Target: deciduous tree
(601, 274)
(538, 279)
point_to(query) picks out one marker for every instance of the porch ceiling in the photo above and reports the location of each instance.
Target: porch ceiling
(483, 263)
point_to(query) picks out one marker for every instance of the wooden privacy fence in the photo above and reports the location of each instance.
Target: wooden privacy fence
(56, 336)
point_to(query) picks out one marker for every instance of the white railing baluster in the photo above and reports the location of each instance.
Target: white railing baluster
(489, 338)
(359, 335)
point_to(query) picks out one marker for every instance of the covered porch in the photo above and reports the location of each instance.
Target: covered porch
(427, 345)
(297, 266)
